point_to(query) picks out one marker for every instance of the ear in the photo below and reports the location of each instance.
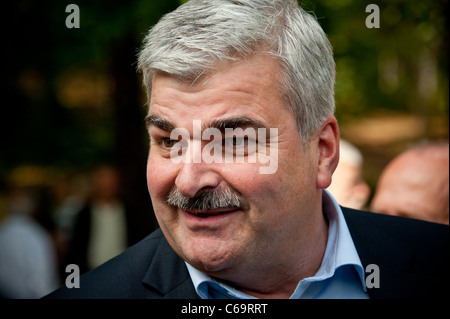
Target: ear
(328, 146)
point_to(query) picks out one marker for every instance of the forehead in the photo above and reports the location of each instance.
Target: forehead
(250, 86)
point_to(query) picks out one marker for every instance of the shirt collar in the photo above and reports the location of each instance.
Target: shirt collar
(340, 251)
(203, 284)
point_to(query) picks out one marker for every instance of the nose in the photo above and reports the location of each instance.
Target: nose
(195, 178)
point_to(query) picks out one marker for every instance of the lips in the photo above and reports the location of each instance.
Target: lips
(211, 213)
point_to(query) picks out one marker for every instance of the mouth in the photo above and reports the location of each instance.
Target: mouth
(211, 213)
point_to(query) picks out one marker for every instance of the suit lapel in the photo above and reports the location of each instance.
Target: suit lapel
(168, 274)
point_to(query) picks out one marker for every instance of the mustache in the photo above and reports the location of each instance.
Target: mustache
(210, 200)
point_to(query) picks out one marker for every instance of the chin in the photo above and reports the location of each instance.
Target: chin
(210, 257)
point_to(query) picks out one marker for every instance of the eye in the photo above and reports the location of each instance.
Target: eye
(168, 143)
(240, 141)
(236, 142)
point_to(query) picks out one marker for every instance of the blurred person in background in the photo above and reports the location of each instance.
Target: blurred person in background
(415, 184)
(28, 260)
(348, 186)
(69, 195)
(105, 226)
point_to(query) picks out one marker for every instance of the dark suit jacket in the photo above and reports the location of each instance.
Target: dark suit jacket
(412, 255)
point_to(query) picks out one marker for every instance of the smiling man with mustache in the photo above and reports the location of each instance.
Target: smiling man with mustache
(226, 230)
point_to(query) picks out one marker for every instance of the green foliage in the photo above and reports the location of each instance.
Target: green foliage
(401, 66)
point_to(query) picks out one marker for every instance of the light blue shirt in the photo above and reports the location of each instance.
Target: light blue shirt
(340, 276)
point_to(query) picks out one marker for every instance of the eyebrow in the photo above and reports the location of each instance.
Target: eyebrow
(220, 124)
(232, 123)
(159, 122)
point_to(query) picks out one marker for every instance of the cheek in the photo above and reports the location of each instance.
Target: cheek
(160, 177)
(243, 177)
(262, 192)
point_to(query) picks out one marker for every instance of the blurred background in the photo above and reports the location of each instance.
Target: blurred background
(74, 107)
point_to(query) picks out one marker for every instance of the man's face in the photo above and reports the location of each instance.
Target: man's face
(277, 212)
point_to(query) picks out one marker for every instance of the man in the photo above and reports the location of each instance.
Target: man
(216, 73)
(106, 225)
(415, 184)
(348, 186)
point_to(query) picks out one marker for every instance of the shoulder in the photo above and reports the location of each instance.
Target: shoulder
(409, 231)
(399, 242)
(411, 254)
(120, 277)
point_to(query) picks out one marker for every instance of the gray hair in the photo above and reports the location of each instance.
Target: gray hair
(189, 42)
